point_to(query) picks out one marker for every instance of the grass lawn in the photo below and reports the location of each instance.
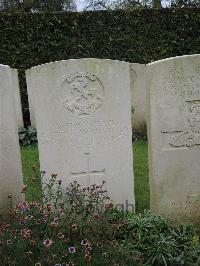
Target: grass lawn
(141, 173)
(30, 158)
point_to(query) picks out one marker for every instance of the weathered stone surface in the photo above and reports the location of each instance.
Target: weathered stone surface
(174, 137)
(17, 98)
(10, 161)
(138, 97)
(83, 118)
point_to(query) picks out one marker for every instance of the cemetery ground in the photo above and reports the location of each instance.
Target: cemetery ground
(37, 234)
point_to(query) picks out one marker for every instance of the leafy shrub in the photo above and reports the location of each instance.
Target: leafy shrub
(27, 136)
(139, 36)
(79, 226)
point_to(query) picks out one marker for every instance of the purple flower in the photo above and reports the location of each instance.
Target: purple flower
(72, 250)
(84, 242)
(24, 207)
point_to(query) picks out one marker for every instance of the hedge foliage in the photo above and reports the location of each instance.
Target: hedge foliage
(139, 36)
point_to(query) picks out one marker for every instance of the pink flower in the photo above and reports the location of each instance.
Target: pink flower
(88, 210)
(88, 257)
(72, 250)
(61, 211)
(54, 224)
(47, 242)
(87, 248)
(25, 233)
(84, 242)
(74, 227)
(60, 235)
(95, 216)
(66, 240)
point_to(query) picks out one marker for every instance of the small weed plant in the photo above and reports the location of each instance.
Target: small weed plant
(27, 136)
(79, 226)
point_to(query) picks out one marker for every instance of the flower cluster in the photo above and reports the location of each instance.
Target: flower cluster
(86, 249)
(81, 227)
(65, 229)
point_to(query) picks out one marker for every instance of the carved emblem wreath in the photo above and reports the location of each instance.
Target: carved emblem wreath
(82, 93)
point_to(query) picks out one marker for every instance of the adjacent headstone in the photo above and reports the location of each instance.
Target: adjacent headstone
(174, 137)
(17, 98)
(10, 163)
(83, 118)
(138, 97)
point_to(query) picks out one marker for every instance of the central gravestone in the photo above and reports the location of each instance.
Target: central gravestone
(83, 119)
(174, 137)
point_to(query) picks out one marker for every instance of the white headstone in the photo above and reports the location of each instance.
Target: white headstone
(83, 118)
(174, 137)
(17, 98)
(10, 161)
(138, 97)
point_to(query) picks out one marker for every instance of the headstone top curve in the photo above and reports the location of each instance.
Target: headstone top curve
(172, 59)
(71, 60)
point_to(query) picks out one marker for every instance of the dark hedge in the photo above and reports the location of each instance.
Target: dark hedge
(139, 36)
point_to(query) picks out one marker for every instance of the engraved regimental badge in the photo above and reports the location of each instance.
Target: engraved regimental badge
(82, 93)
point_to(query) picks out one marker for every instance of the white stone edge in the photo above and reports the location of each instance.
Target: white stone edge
(5, 66)
(171, 58)
(9, 67)
(76, 59)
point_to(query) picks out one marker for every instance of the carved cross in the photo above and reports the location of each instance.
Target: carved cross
(88, 173)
